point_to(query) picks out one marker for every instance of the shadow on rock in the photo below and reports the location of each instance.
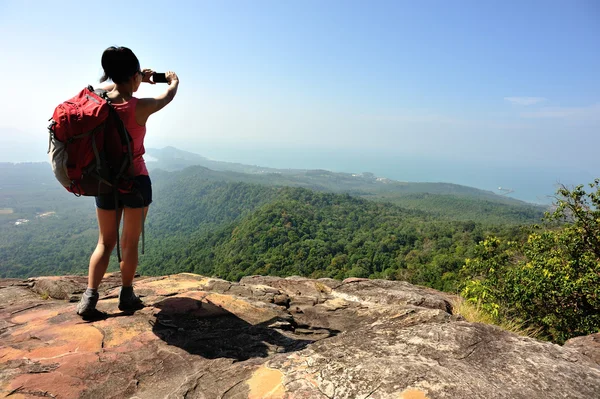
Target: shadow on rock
(205, 329)
(98, 315)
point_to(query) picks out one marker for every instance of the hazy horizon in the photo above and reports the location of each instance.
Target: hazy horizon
(531, 184)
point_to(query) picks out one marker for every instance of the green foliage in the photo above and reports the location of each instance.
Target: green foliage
(463, 207)
(195, 211)
(551, 281)
(62, 242)
(303, 232)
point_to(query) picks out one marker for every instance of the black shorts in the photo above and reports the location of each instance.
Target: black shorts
(141, 199)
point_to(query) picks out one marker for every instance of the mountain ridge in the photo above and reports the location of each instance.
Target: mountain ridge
(174, 159)
(202, 206)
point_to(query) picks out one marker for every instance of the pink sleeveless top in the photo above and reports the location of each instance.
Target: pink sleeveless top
(127, 113)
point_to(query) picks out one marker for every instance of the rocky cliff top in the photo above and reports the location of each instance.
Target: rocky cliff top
(269, 337)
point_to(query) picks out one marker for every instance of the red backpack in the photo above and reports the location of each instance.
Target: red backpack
(90, 149)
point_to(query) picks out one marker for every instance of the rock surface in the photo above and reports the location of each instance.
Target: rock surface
(588, 345)
(269, 337)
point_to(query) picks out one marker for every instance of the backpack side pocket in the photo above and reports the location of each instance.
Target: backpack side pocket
(58, 155)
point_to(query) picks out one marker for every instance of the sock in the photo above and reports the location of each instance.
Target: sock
(126, 292)
(91, 291)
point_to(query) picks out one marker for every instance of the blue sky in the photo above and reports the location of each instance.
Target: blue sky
(489, 81)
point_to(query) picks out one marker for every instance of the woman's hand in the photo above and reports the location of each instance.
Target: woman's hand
(171, 77)
(147, 75)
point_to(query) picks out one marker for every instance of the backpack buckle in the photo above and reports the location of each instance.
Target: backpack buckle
(75, 188)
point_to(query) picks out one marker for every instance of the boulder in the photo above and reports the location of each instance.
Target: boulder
(588, 345)
(271, 337)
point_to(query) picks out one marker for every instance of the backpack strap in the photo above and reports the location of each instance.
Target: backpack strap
(104, 95)
(143, 232)
(124, 166)
(116, 197)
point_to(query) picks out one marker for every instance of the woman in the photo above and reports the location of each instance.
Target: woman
(122, 67)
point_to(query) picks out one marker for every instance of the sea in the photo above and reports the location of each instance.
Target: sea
(533, 182)
(523, 179)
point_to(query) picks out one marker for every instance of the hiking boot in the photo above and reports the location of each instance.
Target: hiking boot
(87, 305)
(128, 301)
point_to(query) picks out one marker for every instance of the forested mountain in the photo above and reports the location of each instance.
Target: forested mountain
(441, 199)
(33, 184)
(212, 223)
(307, 233)
(359, 184)
(45, 230)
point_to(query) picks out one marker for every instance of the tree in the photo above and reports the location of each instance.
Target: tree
(552, 280)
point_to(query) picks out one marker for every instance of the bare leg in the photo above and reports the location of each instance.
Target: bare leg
(132, 228)
(107, 239)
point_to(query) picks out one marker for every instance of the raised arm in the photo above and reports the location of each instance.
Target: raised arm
(148, 106)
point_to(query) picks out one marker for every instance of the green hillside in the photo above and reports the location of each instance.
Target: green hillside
(196, 210)
(30, 188)
(364, 183)
(315, 234)
(444, 200)
(464, 207)
(62, 242)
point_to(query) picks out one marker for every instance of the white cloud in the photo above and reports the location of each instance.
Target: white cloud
(525, 100)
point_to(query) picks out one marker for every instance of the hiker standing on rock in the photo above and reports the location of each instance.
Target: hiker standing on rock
(122, 67)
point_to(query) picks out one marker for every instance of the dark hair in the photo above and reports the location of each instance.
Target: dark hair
(119, 64)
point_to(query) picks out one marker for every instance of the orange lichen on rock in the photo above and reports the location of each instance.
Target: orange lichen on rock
(169, 286)
(35, 316)
(266, 383)
(54, 384)
(413, 394)
(53, 341)
(119, 335)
